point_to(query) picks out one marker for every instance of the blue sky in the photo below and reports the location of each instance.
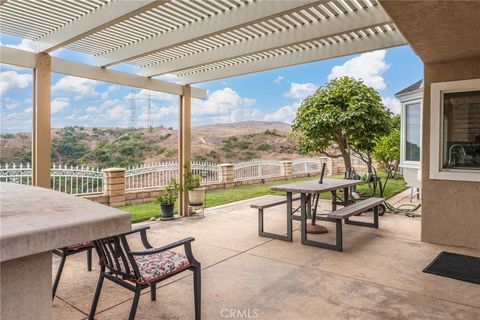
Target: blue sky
(270, 96)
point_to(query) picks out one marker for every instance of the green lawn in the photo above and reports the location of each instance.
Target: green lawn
(145, 211)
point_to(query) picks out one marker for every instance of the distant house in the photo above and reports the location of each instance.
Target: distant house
(411, 99)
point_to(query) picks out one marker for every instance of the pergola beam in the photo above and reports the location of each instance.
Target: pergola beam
(379, 41)
(105, 16)
(349, 22)
(26, 59)
(235, 18)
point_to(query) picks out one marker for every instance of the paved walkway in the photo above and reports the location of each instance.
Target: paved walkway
(377, 276)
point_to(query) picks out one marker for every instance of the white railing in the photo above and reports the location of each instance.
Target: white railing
(155, 175)
(257, 168)
(311, 165)
(209, 172)
(72, 180)
(160, 174)
(77, 180)
(20, 174)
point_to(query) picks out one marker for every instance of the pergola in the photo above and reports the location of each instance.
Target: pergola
(194, 40)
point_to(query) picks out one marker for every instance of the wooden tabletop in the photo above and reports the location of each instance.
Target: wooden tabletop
(315, 187)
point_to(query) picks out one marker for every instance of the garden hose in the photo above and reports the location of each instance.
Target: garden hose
(407, 209)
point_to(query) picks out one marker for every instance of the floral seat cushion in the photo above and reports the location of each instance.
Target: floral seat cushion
(155, 266)
(81, 245)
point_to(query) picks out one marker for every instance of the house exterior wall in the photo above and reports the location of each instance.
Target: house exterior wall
(451, 209)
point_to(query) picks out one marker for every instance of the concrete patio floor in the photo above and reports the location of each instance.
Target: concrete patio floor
(377, 276)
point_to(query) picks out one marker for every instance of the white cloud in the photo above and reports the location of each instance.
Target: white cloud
(368, 66)
(9, 103)
(92, 110)
(24, 45)
(278, 79)
(80, 86)
(143, 94)
(300, 91)
(12, 79)
(221, 101)
(283, 114)
(393, 104)
(59, 104)
(113, 88)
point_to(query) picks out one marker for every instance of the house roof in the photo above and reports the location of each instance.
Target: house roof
(414, 86)
(197, 40)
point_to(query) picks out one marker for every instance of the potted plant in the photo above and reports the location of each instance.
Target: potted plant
(196, 194)
(167, 198)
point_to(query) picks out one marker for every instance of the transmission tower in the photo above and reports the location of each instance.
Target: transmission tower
(149, 114)
(133, 110)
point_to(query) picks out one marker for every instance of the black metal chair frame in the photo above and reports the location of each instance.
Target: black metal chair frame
(114, 251)
(63, 253)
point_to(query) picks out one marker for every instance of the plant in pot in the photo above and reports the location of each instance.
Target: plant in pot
(196, 194)
(167, 198)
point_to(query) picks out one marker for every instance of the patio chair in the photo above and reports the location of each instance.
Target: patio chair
(138, 270)
(63, 253)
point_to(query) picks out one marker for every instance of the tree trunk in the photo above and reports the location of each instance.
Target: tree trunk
(347, 161)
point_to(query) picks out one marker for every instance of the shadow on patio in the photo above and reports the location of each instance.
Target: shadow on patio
(377, 276)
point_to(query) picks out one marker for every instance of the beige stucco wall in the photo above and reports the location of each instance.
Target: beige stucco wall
(451, 209)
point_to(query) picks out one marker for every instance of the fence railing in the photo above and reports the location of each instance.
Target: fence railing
(69, 179)
(309, 165)
(160, 174)
(150, 175)
(91, 181)
(257, 168)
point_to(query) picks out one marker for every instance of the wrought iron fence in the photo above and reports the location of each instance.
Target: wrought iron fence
(77, 180)
(310, 165)
(159, 174)
(69, 179)
(155, 175)
(209, 172)
(257, 168)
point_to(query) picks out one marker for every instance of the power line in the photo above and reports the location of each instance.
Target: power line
(133, 110)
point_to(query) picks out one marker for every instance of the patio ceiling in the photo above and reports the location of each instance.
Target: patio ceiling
(199, 41)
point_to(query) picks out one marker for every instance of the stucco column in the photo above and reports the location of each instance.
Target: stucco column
(41, 131)
(287, 168)
(227, 173)
(184, 142)
(115, 186)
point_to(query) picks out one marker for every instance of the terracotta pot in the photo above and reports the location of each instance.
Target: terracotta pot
(196, 197)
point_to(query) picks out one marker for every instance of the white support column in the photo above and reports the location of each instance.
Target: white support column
(184, 142)
(41, 133)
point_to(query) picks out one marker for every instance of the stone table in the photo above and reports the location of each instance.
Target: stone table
(33, 222)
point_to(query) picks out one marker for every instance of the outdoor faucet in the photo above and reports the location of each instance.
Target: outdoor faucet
(450, 154)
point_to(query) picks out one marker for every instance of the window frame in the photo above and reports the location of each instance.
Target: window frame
(437, 91)
(403, 161)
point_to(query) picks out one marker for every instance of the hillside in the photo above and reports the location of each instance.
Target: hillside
(104, 147)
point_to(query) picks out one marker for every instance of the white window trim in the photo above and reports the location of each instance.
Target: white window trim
(403, 133)
(436, 127)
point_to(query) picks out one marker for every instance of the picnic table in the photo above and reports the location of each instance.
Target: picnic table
(309, 189)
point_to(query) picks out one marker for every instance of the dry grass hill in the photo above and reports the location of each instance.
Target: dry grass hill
(122, 147)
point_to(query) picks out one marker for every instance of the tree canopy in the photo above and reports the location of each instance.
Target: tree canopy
(345, 113)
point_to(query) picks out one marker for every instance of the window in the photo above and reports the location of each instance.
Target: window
(455, 130)
(461, 130)
(412, 132)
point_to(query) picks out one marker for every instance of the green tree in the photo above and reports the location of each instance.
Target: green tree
(387, 153)
(345, 114)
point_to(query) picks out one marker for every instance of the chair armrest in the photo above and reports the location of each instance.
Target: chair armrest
(139, 229)
(185, 241)
(143, 235)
